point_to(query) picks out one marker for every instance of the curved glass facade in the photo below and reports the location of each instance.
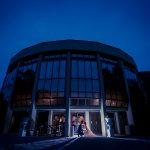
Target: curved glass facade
(69, 87)
(51, 83)
(24, 82)
(115, 92)
(85, 88)
(84, 81)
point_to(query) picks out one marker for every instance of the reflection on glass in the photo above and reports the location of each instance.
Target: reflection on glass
(84, 78)
(114, 85)
(53, 83)
(8, 84)
(136, 95)
(24, 83)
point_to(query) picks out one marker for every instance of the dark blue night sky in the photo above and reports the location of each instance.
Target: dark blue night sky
(124, 24)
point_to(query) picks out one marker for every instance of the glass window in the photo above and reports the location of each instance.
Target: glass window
(96, 95)
(84, 77)
(53, 75)
(81, 102)
(61, 85)
(61, 94)
(24, 84)
(74, 102)
(89, 85)
(74, 94)
(53, 94)
(41, 85)
(74, 85)
(49, 69)
(94, 70)
(47, 85)
(94, 102)
(43, 69)
(62, 69)
(89, 95)
(53, 101)
(54, 84)
(60, 101)
(81, 69)
(82, 94)
(34, 67)
(81, 85)
(135, 91)
(113, 83)
(56, 69)
(95, 85)
(74, 72)
(87, 69)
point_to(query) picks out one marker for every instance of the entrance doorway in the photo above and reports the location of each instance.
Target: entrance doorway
(114, 129)
(42, 123)
(123, 122)
(119, 121)
(58, 123)
(91, 119)
(50, 123)
(76, 118)
(19, 122)
(95, 122)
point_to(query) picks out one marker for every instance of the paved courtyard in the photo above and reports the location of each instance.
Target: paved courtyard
(83, 143)
(90, 143)
(46, 144)
(101, 143)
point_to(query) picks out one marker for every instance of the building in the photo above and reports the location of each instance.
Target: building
(145, 79)
(145, 82)
(69, 81)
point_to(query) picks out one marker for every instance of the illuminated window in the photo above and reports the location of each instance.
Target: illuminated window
(51, 84)
(115, 91)
(84, 78)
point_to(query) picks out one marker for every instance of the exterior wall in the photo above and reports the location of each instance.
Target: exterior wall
(45, 96)
(145, 81)
(136, 99)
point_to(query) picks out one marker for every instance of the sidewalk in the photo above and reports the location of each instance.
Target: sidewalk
(7, 141)
(44, 144)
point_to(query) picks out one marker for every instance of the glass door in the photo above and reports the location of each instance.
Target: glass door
(58, 124)
(76, 118)
(95, 122)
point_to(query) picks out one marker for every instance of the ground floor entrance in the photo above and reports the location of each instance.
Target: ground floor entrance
(19, 122)
(118, 122)
(52, 122)
(56, 122)
(91, 119)
(95, 122)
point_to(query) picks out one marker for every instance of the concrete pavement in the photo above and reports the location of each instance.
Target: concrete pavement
(45, 144)
(82, 143)
(102, 143)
